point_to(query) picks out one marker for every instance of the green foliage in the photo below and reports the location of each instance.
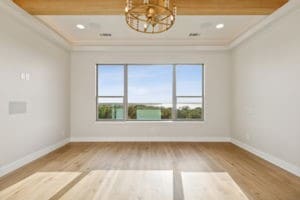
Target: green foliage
(166, 113)
(188, 113)
(109, 111)
(132, 111)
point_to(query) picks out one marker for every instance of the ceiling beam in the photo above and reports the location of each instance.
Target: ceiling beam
(116, 7)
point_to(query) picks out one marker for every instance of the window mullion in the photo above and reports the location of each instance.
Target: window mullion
(125, 99)
(97, 94)
(174, 99)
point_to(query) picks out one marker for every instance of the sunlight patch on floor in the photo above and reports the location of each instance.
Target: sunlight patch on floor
(210, 185)
(123, 185)
(39, 186)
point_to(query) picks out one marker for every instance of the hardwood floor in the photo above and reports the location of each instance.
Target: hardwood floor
(41, 185)
(221, 165)
(210, 185)
(123, 185)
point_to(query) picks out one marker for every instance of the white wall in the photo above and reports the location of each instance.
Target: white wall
(46, 93)
(217, 97)
(266, 87)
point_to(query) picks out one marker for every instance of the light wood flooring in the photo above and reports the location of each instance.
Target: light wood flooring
(145, 171)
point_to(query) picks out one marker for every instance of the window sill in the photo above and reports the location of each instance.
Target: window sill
(152, 122)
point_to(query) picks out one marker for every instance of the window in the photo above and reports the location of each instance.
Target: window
(150, 92)
(110, 98)
(189, 89)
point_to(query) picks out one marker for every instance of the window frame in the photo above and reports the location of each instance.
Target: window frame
(174, 95)
(116, 96)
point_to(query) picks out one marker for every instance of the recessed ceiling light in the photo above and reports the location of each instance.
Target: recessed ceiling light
(80, 26)
(220, 26)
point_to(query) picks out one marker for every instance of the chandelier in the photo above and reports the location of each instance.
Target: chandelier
(150, 16)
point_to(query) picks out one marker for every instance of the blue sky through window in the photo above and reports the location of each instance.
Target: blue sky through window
(150, 83)
(110, 80)
(189, 80)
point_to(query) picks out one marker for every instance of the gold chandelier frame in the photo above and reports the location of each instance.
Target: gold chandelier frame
(150, 18)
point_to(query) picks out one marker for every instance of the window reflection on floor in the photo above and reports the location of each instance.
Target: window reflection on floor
(39, 186)
(125, 184)
(210, 185)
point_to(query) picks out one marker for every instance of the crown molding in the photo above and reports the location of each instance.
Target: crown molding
(152, 42)
(289, 7)
(11, 8)
(141, 48)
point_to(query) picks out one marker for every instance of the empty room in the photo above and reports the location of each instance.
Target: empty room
(150, 100)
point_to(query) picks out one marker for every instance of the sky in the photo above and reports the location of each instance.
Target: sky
(150, 83)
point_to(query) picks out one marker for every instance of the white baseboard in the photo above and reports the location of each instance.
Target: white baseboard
(31, 157)
(272, 159)
(150, 139)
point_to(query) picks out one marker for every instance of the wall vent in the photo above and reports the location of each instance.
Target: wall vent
(194, 34)
(105, 34)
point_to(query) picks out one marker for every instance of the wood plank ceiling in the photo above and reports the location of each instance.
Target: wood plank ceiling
(116, 7)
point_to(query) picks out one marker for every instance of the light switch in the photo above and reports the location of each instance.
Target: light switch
(23, 76)
(27, 76)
